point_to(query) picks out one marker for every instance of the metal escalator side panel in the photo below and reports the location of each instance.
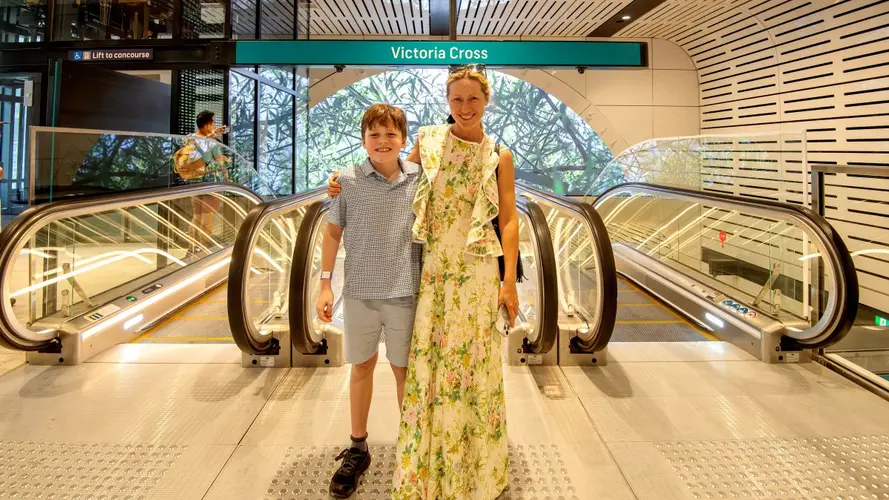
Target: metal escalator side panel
(247, 336)
(548, 326)
(842, 287)
(301, 325)
(20, 238)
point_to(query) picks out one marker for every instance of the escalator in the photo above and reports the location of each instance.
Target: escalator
(774, 279)
(585, 277)
(287, 332)
(83, 276)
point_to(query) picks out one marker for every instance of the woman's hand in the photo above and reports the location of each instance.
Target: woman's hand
(509, 296)
(334, 187)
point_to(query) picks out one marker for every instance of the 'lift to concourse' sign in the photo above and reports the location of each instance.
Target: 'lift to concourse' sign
(106, 55)
(390, 53)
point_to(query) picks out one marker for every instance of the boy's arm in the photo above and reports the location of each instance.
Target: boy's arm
(329, 247)
(330, 244)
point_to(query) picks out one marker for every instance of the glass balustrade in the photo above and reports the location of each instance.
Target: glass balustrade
(67, 163)
(768, 257)
(64, 259)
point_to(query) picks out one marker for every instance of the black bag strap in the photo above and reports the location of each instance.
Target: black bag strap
(497, 169)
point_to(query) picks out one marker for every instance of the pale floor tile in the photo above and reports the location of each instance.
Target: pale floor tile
(171, 354)
(632, 352)
(679, 418)
(10, 360)
(39, 470)
(715, 378)
(724, 401)
(826, 468)
(117, 403)
(632, 429)
(311, 407)
(309, 411)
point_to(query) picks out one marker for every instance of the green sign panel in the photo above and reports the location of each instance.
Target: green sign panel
(881, 321)
(390, 53)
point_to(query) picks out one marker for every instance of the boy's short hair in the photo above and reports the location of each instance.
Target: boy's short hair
(204, 117)
(384, 114)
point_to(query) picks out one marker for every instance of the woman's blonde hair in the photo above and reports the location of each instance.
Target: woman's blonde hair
(471, 74)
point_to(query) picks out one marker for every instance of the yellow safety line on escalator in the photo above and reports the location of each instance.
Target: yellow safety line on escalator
(207, 296)
(153, 329)
(693, 326)
(200, 318)
(187, 339)
(650, 322)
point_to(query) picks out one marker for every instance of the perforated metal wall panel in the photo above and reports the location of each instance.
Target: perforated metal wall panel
(797, 65)
(199, 90)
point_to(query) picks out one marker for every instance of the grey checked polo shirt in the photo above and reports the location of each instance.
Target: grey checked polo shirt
(382, 261)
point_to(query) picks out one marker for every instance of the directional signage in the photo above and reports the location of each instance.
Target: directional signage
(111, 55)
(442, 53)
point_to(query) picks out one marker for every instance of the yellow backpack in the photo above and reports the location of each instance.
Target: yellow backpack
(189, 162)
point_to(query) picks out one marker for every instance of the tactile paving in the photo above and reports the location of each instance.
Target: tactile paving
(536, 472)
(30, 470)
(816, 468)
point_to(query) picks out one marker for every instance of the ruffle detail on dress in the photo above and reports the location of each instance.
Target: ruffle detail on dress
(481, 239)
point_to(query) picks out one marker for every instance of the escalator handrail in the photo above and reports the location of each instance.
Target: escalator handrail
(605, 315)
(301, 322)
(548, 326)
(842, 306)
(244, 331)
(22, 228)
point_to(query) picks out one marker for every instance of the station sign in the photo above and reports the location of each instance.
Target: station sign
(739, 309)
(111, 55)
(389, 53)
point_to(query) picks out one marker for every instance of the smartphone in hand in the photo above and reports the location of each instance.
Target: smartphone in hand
(503, 321)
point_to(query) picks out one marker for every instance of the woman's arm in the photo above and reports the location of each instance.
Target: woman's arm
(509, 232)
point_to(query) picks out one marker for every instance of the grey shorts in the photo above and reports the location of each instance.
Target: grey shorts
(367, 321)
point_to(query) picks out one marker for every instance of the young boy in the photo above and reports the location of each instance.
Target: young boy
(382, 272)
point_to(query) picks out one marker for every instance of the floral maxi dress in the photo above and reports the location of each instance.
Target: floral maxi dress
(452, 439)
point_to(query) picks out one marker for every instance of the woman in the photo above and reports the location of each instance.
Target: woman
(452, 438)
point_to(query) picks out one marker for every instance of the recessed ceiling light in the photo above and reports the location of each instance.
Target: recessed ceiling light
(626, 18)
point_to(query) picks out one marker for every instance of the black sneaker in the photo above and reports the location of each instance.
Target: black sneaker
(345, 480)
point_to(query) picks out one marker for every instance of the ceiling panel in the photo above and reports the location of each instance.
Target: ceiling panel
(501, 18)
(369, 17)
(511, 18)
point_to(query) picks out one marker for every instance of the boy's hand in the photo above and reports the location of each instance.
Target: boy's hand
(324, 307)
(334, 187)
